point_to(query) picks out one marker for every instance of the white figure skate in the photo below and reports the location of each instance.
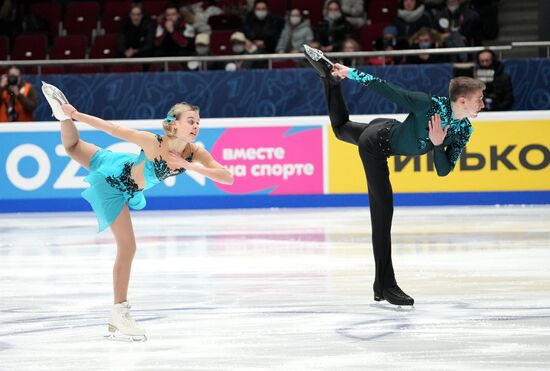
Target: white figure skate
(122, 326)
(55, 98)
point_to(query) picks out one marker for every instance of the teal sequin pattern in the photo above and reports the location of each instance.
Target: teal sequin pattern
(162, 171)
(459, 130)
(124, 181)
(362, 77)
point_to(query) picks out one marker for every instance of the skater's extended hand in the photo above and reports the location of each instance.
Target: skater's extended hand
(436, 132)
(340, 70)
(176, 161)
(68, 109)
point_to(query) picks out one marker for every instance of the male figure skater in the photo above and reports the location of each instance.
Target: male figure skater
(437, 124)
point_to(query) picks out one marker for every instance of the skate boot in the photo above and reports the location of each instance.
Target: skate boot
(394, 295)
(56, 99)
(122, 326)
(321, 63)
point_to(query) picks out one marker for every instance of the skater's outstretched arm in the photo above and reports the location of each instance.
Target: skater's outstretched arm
(444, 159)
(204, 164)
(411, 100)
(139, 137)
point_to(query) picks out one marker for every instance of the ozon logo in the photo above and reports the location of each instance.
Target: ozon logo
(67, 179)
(41, 176)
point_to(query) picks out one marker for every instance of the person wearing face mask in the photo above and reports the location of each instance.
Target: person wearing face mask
(353, 11)
(499, 95)
(296, 33)
(135, 38)
(262, 28)
(202, 49)
(334, 28)
(411, 17)
(240, 45)
(426, 38)
(18, 98)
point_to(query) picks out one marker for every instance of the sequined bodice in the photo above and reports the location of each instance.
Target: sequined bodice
(154, 172)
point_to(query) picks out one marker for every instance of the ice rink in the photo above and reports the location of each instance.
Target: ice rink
(281, 289)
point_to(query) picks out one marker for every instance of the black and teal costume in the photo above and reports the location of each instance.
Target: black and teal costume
(384, 137)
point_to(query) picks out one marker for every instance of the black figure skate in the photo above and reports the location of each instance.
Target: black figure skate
(321, 63)
(394, 295)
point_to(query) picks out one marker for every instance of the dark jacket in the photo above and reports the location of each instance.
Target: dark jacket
(499, 94)
(268, 30)
(334, 33)
(137, 37)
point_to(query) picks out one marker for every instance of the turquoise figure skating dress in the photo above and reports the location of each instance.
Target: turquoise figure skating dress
(112, 185)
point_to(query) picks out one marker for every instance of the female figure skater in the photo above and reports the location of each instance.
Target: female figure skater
(117, 180)
(435, 124)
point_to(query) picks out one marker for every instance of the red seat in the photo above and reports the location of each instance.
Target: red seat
(278, 7)
(369, 33)
(104, 46)
(4, 47)
(313, 9)
(50, 11)
(69, 47)
(382, 11)
(53, 70)
(229, 6)
(225, 22)
(283, 63)
(154, 8)
(125, 68)
(85, 68)
(219, 42)
(30, 47)
(113, 14)
(81, 18)
(159, 67)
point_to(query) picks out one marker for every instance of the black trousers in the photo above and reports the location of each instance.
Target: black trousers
(375, 164)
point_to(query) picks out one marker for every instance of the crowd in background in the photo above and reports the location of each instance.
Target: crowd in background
(188, 28)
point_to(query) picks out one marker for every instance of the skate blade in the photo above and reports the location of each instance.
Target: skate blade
(116, 335)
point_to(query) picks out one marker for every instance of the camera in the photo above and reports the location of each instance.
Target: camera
(13, 80)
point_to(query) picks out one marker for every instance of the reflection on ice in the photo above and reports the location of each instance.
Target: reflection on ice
(280, 289)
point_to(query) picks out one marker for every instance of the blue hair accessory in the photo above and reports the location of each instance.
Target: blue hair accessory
(169, 118)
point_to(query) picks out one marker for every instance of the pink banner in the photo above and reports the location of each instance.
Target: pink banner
(273, 160)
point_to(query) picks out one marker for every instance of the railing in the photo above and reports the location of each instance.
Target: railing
(499, 49)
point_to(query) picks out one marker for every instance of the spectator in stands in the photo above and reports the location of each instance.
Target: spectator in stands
(411, 17)
(135, 38)
(202, 49)
(459, 24)
(388, 41)
(240, 45)
(499, 94)
(353, 11)
(296, 33)
(350, 45)
(201, 15)
(18, 98)
(426, 38)
(262, 28)
(173, 35)
(334, 28)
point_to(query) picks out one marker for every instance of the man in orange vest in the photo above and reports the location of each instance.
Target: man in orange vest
(18, 98)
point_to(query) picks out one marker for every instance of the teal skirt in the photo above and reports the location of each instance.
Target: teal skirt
(106, 200)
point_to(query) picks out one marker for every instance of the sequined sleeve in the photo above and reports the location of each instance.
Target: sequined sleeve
(445, 160)
(410, 100)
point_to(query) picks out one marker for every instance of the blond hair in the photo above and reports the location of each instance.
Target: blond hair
(463, 86)
(174, 115)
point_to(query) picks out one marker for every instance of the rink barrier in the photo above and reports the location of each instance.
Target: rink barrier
(288, 162)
